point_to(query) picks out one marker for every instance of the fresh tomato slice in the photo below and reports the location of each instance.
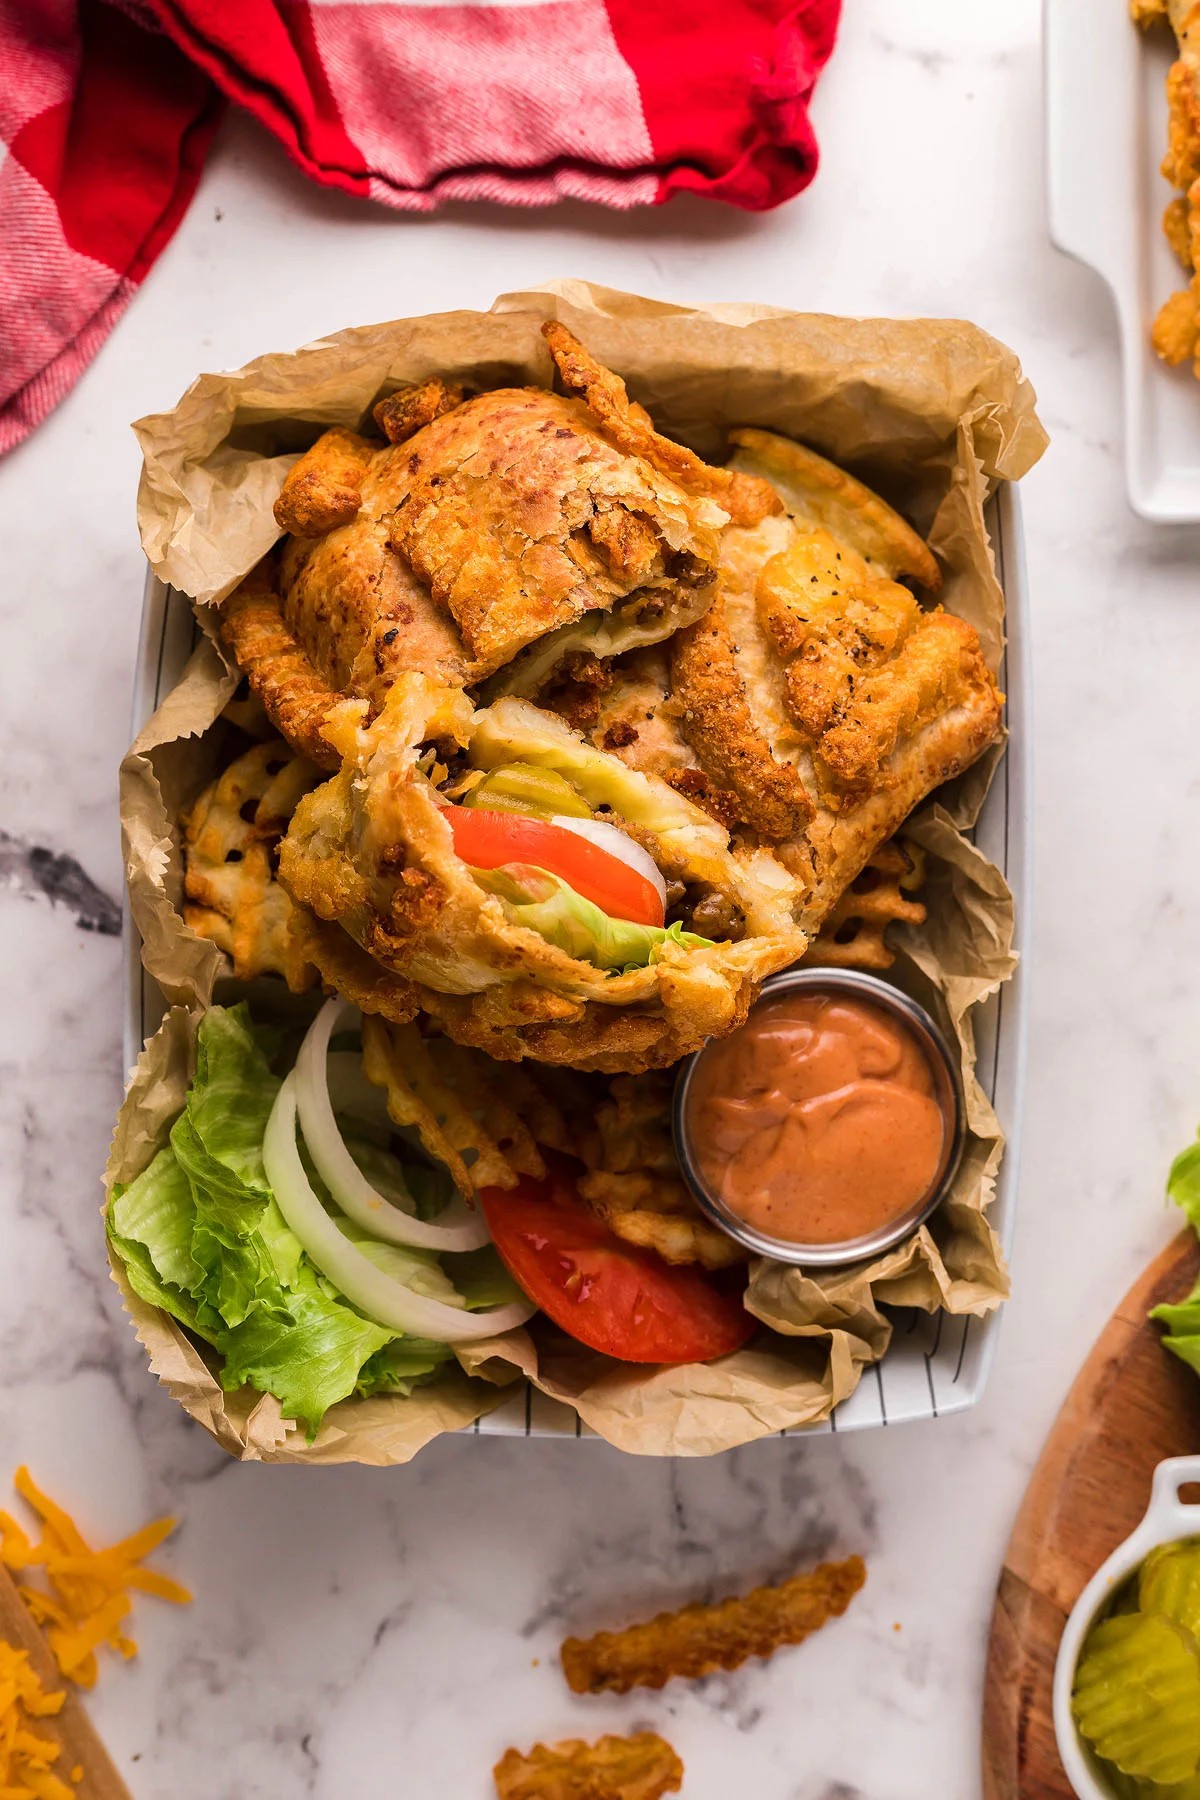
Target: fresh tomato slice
(610, 1295)
(488, 840)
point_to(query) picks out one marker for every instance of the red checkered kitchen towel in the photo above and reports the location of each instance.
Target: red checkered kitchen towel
(107, 108)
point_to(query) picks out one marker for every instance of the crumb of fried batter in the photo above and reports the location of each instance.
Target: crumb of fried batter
(575, 692)
(1181, 163)
(416, 405)
(1176, 329)
(1176, 224)
(721, 804)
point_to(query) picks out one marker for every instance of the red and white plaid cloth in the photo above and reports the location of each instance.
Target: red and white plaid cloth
(107, 108)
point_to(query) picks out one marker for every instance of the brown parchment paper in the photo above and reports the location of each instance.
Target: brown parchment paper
(933, 413)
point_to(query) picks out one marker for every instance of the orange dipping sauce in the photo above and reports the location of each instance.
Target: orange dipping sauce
(818, 1122)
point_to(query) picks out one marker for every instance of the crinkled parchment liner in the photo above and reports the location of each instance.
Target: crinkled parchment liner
(932, 413)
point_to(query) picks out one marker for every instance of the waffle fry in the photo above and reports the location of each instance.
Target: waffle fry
(697, 1640)
(657, 1213)
(229, 846)
(640, 1767)
(485, 1131)
(490, 1132)
(635, 1185)
(854, 935)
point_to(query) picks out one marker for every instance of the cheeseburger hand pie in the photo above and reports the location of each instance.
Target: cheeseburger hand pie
(499, 533)
(818, 701)
(608, 730)
(490, 867)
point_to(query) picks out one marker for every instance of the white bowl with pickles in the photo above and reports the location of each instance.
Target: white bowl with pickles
(1127, 1678)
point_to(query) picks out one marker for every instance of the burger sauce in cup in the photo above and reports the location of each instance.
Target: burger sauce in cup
(828, 1125)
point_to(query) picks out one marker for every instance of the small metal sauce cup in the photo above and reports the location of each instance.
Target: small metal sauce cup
(851, 984)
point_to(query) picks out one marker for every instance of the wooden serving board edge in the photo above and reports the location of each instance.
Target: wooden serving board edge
(1131, 1405)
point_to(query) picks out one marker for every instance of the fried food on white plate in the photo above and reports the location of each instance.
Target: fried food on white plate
(1176, 330)
(817, 702)
(509, 957)
(503, 531)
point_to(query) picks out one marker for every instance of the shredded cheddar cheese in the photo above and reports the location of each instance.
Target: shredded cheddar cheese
(87, 1593)
(26, 1755)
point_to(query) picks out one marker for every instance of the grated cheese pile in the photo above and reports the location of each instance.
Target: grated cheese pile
(87, 1593)
(26, 1756)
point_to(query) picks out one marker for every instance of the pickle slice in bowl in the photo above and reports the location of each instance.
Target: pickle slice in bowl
(1169, 1583)
(1137, 1696)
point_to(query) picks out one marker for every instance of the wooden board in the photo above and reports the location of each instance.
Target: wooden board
(81, 1748)
(1132, 1404)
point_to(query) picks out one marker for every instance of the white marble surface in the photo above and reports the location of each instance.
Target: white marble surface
(364, 1633)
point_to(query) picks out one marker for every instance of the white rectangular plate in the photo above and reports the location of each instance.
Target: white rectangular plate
(1106, 131)
(936, 1364)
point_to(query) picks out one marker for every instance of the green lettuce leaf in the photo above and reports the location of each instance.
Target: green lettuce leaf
(482, 1279)
(402, 1366)
(310, 1358)
(156, 1214)
(1182, 1321)
(1183, 1183)
(546, 904)
(201, 1236)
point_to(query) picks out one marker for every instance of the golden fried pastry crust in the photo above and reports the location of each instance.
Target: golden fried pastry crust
(498, 534)
(818, 703)
(1177, 230)
(818, 492)
(405, 412)
(716, 714)
(745, 498)
(641, 1767)
(361, 613)
(521, 517)
(372, 853)
(698, 1640)
(1181, 164)
(866, 666)
(324, 488)
(279, 670)
(229, 841)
